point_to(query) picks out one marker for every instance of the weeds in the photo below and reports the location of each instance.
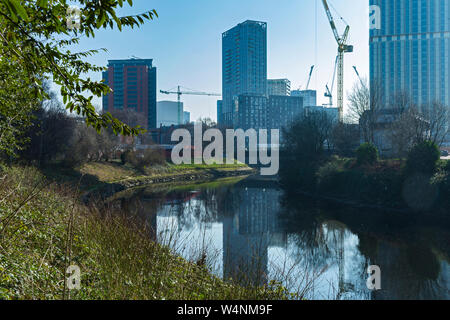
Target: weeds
(44, 229)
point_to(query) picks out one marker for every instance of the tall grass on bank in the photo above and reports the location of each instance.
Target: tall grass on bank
(44, 229)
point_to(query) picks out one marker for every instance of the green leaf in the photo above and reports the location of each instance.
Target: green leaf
(19, 9)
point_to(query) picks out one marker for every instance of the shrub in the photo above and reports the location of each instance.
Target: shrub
(367, 153)
(124, 156)
(447, 165)
(423, 157)
(327, 170)
(52, 229)
(143, 158)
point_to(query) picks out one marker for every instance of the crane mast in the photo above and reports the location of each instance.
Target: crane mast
(342, 49)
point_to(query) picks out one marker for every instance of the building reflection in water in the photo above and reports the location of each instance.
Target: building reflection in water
(248, 233)
(249, 227)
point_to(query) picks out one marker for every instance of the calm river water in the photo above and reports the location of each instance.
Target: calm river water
(251, 231)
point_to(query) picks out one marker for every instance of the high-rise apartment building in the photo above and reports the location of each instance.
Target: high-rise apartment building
(133, 84)
(283, 110)
(309, 97)
(244, 65)
(278, 87)
(251, 112)
(220, 120)
(410, 52)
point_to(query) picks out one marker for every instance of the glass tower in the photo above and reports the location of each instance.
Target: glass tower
(410, 53)
(244, 65)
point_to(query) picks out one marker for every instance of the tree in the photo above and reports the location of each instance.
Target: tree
(207, 123)
(364, 107)
(307, 135)
(345, 138)
(367, 153)
(411, 125)
(83, 146)
(51, 130)
(108, 145)
(35, 37)
(423, 157)
(17, 102)
(438, 117)
(303, 148)
(130, 117)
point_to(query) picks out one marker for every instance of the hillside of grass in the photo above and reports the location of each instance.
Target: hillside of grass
(97, 175)
(44, 229)
(115, 171)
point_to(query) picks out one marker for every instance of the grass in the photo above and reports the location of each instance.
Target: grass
(111, 172)
(94, 176)
(44, 229)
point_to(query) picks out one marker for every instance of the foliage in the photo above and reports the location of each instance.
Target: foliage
(17, 102)
(43, 230)
(124, 156)
(381, 184)
(367, 153)
(411, 124)
(304, 144)
(328, 169)
(142, 158)
(50, 132)
(307, 135)
(86, 145)
(423, 158)
(345, 139)
(35, 39)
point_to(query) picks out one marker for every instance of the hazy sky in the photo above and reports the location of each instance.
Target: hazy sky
(185, 43)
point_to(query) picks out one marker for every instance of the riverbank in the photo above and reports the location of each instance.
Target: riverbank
(385, 185)
(104, 179)
(45, 229)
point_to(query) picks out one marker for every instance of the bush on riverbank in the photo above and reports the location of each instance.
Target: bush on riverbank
(388, 183)
(43, 230)
(142, 159)
(376, 184)
(367, 153)
(423, 158)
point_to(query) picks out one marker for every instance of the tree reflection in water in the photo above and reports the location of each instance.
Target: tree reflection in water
(254, 232)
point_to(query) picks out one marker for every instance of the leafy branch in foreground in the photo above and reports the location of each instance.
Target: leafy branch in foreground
(36, 35)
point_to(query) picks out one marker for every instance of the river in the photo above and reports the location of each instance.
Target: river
(252, 231)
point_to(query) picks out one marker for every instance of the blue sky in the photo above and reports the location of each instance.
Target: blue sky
(185, 43)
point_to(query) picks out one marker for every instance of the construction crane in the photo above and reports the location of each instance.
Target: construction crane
(329, 93)
(359, 77)
(309, 77)
(342, 48)
(179, 93)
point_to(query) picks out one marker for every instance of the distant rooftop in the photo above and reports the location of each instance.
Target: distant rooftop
(132, 61)
(261, 23)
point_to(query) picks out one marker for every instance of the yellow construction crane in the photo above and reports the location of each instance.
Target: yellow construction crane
(342, 48)
(179, 93)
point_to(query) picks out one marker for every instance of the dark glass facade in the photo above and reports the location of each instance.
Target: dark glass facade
(244, 65)
(410, 53)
